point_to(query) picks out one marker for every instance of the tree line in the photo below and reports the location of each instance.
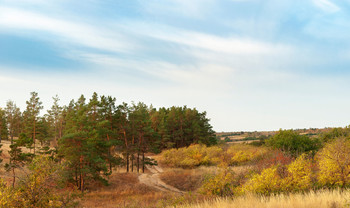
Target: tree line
(95, 135)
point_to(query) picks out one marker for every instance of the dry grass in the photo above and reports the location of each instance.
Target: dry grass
(183, 179)
(7, 176)
(319, 199)
(124, 191)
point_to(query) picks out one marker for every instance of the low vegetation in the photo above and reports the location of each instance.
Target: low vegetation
(197, 155)
(319, 199)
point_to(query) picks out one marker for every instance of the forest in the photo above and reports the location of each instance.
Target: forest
(93, 136)
(99, 153)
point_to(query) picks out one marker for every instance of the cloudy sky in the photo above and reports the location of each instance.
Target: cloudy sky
(251, 64)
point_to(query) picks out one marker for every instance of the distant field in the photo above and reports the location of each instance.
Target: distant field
(247, 137)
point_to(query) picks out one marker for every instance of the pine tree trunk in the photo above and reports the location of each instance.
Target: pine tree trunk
(82, 183)
(76, 177)
(132, 163)
(81, 175)
(143, 162)
(127, 162)
(138, 161)
(34, 137)
(14, 177)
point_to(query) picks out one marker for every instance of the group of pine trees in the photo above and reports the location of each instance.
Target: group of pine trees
(95, 135)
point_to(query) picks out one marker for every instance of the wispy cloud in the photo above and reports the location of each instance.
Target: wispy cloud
(326, 5)
(71, 32)
(194, 8)
(244, 61)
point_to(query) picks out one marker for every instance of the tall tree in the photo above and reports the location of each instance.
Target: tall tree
(14, 116)
(124, 132)
(109, 129)
(3, 126)
(31, 114)
(55, 120)
(17, 159)
(143, 131)
(82, 145)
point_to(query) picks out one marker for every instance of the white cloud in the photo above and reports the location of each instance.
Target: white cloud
(326, 5)
(187, 8)
(68, 31)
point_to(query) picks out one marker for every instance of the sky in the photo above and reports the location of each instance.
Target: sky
(250, 64)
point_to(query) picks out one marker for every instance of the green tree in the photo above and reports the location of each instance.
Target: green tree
(124, 133)
(82, 145)
(108, 129)
(334, 134)
(31, 115)
(17, 159)
(143, 132)
(3, 126)
(13, 115)
(55, 120)
(293, 143)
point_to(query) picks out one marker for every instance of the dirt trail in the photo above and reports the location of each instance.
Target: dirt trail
(152, 179)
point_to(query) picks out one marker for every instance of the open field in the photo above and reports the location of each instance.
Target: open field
(319, 199)
(247, 137)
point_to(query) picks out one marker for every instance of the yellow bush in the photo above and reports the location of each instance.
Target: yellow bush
(213, 155)
(334, 163)
(299, 175)
(196, 155)
(265, 183)
(240, 153)
(240, 157)
(221, 184)
(7, 195)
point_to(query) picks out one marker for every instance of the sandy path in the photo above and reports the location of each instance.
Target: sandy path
(154, 181)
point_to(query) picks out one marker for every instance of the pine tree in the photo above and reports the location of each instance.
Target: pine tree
(3, 126)
(14, 117)
(34, 105)
(82, 145)
(17, 159)
(55, 120)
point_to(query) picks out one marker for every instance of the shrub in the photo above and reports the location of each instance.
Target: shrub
(221, 184)
(241, 153)
(335, 133)
(192, 156)
(299, 175)
(293, 143)
(196, 155)
(334, 163)
(266, 183)
(273, 158)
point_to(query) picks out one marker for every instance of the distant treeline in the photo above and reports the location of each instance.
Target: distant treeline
(89, 133)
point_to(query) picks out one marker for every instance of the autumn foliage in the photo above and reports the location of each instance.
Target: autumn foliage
(196, 155)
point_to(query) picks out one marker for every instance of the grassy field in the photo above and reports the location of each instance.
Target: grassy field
(319, 199)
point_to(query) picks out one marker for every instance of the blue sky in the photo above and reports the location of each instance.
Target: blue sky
(252, 65)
